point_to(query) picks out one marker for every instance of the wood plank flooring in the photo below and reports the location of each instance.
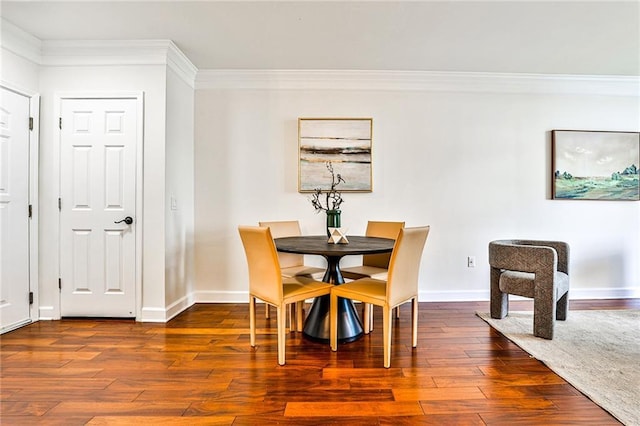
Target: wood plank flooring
(199, 369)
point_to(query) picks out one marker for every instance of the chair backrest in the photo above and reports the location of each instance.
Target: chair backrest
(286, 228)
(265, 280)
(505, 254)
(382, 230)
(404, 267)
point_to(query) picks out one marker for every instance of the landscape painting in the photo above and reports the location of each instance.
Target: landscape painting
(345, 143)
(595, 165)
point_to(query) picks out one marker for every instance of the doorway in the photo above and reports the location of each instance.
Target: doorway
(100, 226)
(18, 207)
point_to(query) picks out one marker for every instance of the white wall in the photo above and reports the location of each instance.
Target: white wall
(474, 165)
(179, 227)
(19, 72)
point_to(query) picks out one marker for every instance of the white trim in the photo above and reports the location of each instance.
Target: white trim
(418, 81)
(153, 315)
(48, 313)
(118, 52)
(216, 296)
(20, 42)
(34, 233)
(574, 294)
(139, 98)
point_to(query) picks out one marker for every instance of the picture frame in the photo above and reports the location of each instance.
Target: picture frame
(345, 143)
(595, 165)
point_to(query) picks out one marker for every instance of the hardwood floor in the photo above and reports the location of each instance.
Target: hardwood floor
(200, 369)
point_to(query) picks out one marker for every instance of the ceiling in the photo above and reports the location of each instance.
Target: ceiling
(549, 37)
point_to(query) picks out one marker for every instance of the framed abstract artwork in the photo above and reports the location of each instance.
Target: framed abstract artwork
(595, 165)
(343, 144)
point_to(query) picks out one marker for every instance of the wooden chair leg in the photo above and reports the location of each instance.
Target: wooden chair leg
(370, 317)
(267, 311)
(299, 316)
(291, 315)
(386, 335)
(366, 321)
(333, 322)
(252, 320)
(281, 318)
(414, 322)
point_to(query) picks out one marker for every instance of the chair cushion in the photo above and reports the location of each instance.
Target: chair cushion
(364, 271)
(522, 283)
(303, 270)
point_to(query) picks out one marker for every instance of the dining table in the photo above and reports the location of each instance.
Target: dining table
(316, 326)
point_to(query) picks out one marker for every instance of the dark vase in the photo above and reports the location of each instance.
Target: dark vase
(333, 220)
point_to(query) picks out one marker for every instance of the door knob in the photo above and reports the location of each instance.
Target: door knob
(128, 220)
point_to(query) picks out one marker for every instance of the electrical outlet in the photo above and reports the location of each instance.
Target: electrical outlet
(471, 262)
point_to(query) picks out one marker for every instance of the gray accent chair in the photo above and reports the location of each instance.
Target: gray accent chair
(534, 269)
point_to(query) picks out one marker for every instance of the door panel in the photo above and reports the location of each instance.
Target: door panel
(98, 172)
(14, 207)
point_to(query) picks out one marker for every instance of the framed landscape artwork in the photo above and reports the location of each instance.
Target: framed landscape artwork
(345, 143)
(595, 165)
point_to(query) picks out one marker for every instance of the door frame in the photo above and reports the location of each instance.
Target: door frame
(138, 96)
(34, 143)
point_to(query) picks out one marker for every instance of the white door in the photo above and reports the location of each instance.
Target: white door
(98, 140)
(14, 210)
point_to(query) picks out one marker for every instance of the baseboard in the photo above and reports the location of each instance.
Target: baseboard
(483, 295)
(221, 297)
(47, 313)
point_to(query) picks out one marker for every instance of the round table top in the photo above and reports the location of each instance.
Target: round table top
(318, 244)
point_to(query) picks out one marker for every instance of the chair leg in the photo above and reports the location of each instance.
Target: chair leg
(397, 311)
(386, 335)
(291, 315)
(370, 317)
(333, 322)
(299, 316)
(499, 300)
(267, 311)
(366, 322)
(562, 307)
(282, 322)
(414, 322)
(544, 314)
(252, 320)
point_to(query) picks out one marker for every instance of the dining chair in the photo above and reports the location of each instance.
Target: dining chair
(374, 265)
(291, 265)
(267, 283)
(400, 286)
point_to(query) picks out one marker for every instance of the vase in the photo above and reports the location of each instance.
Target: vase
(333, 220)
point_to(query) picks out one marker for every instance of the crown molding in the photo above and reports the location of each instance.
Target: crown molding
(20, 42)
(418, 81)
(97, 52)
(118, 52)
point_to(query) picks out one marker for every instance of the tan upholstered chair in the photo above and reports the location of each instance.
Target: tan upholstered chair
(291, 265)
(374, 265)
(534, 269)
(401, 286)
(267, 283)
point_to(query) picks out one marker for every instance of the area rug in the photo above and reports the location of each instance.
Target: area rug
(598, 352)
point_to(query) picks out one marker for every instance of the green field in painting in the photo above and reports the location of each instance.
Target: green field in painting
(598, 188)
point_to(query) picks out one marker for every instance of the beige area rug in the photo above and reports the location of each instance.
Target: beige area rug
(598, 352)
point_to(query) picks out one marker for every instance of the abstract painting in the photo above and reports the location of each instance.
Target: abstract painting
(595, 165)
(345, 143)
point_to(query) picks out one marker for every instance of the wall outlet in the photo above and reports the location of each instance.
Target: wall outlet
(471, 262)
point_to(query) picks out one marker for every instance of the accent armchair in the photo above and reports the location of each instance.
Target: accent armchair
(534, 269)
